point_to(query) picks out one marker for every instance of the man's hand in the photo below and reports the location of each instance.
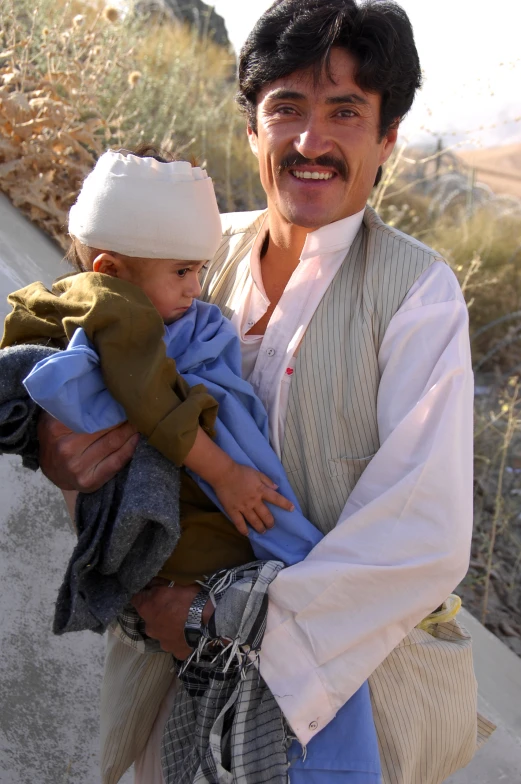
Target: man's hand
(83, 462)
(165, 611)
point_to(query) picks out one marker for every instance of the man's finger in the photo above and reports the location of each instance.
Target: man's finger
(74, 461)
(108, 441)
(110, 465)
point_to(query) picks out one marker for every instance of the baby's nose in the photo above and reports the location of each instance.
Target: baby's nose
(194, 287)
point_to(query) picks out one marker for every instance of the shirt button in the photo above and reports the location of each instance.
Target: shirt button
(270, 352)
(251, 323)
(313, 725)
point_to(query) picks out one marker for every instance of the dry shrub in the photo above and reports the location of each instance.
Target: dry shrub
(76, 80)
(492, 588)
(478, 234)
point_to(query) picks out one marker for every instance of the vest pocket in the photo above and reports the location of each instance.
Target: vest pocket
(348, 466)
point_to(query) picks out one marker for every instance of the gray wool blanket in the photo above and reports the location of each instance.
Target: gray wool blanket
(18, 413)
(126, 529)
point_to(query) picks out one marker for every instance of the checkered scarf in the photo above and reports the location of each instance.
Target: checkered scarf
(225, 726)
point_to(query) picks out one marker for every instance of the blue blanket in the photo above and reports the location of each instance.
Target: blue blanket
(205, 347)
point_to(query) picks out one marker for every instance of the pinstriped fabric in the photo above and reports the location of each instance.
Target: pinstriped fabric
(134, 684)
(424, 700)
(485, 730)
(328, 445)
(229, 269)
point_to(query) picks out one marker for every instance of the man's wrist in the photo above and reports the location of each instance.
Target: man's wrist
(208, 611)
(193, 629)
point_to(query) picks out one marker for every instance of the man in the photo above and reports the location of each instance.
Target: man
(355, 338)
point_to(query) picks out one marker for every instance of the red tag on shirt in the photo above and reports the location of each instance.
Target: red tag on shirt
(289, 371)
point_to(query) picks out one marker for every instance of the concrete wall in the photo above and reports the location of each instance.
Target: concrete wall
(49, 685)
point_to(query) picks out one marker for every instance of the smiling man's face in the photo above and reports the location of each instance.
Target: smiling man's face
(318, 144)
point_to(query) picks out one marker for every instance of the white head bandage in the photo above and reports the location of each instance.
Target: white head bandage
(142, 208)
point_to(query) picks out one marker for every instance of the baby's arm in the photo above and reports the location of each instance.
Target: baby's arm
(127, 332)
(241, 490)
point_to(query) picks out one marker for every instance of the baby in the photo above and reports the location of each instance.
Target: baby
(141, 231)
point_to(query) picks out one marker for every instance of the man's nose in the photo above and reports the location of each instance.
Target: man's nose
(314, 139)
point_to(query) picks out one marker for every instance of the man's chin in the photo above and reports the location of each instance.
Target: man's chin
(309, 218)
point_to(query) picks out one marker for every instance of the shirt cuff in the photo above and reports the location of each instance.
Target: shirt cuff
(175, 435)
(294, 682)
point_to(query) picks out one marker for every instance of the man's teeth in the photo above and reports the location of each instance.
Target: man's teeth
(308, 175)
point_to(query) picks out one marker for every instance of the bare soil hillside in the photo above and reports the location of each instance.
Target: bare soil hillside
(497, 167)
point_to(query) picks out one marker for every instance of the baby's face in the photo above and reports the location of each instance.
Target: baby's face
(169, 284)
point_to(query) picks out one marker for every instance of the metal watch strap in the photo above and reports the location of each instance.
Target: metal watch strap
(194, 621)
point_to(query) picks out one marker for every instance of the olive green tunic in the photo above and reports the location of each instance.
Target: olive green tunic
(127, 332)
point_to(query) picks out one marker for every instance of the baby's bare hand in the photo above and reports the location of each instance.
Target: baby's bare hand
(243, 493)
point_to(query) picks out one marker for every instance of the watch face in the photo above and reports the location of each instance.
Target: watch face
(192, 636)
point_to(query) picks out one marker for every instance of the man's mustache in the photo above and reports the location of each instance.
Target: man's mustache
(294, 160)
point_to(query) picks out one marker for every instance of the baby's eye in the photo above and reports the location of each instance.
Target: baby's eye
(182, 272)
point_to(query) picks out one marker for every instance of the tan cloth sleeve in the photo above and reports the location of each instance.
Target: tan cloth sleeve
(33, 319)
(127, 332)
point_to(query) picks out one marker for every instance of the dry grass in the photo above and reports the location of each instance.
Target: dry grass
(498, 167)
(492, 588)
(75, 82)
(477, 233)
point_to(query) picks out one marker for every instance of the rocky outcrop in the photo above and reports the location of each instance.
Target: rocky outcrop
(196, 13)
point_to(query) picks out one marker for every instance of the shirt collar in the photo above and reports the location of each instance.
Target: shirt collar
(333, 237)
(255, 261)
(328, 239)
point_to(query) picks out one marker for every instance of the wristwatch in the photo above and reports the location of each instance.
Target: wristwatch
(194, 621)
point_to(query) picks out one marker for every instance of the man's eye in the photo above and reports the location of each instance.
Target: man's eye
(346, 113)
(282, 110)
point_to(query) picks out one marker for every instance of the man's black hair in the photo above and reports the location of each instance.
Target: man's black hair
(296, 34)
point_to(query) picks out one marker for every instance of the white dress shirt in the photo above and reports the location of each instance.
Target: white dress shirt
(402, 541)
(266, 358)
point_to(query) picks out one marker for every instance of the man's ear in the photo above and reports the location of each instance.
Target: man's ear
(388, 142)
(252, 138)
(107, 264)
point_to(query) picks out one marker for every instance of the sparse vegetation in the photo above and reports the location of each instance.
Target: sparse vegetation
(77, 79)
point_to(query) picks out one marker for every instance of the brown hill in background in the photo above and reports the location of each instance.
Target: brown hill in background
(497, 167)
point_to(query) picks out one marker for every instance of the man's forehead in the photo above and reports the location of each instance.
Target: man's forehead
(339, 79)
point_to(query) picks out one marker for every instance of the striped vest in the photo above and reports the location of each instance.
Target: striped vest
(331, 429)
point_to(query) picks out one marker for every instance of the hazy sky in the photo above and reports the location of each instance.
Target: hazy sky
(470, 52)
